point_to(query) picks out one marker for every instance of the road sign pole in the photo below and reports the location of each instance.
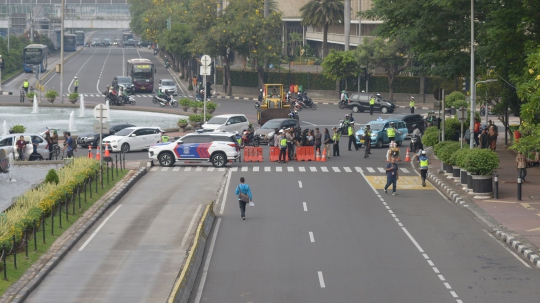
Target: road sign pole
(99, 144)
(205, 94)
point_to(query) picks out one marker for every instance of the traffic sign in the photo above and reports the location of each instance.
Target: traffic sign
(103, 129)
(205, 70)
(462, 114)
(101, 112)
(206, 60)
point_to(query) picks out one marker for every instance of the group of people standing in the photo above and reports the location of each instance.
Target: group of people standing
(484, 137)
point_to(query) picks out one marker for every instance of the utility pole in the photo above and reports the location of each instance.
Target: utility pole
(347, 23)
(266, 9)
(62, 50)
(473, 86)
(32, 21)
(9, 24)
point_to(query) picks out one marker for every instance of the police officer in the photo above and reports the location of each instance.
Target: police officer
(371, 104)
(367, 141)
(411, 105)
(335, 137)
(352, 138)
(423, 162)
(25, 85)
(76, 84)
(391, 132)
(164, 137)
(283, 147)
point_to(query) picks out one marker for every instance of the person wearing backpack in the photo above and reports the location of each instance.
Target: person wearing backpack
(243, 191)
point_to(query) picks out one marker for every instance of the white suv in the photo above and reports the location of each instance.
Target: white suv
(226, 123)
(133, 138)
(218, 148)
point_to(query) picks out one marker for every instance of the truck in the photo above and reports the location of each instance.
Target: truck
(273, 104)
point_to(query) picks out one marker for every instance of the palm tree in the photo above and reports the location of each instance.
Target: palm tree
(322, 13)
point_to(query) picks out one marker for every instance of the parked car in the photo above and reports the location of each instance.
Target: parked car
(169, 85)
(410, 120)
(7, 143)
(91, 138)
(359, 102)
(379, 137)
(226, 123)
(124, 82)
(133, 138)
(217, 148)
(272, 124)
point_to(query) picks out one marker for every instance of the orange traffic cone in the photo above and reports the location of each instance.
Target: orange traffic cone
(107, 149)
(98, 153)
(407, 157)
(317, 156)
(323, 158)
(90, 152)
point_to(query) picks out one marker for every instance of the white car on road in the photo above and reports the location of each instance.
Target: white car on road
(226, 123)
(133, 138)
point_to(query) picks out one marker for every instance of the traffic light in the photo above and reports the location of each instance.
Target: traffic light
(208, 89)
(466, 84)
(212, 67)
(438, 121)
(169, 23)
(1, 62)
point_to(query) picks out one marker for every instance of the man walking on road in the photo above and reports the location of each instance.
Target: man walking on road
(371, 104)
(521, 166)
(352, 138)
(367, 141)
(391, 176)
(335, 138)
(318, 141)
(76, 84)
(423, 162)
(25, 85)
(244, 196)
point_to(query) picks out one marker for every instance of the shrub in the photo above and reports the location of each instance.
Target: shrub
(431, 136)
(185, 102)
(460, 103)
(182, 121)
(73, 96)
(52, 176)
(51, 94)
(453, 97)
(30, 95)
(452, 126)
(460, 155)
(195, 118)
(480, 162)
(445, 153)
(18, 129)
(211, 105)
(439, 146)
(199, 104)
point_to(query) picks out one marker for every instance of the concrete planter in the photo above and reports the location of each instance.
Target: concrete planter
(449, 169)
(482, 186)
(463, 176)
(456, 173)
(469, 183)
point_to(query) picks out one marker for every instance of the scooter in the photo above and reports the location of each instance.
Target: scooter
(248, 139)
(308, 103)
(294, 115)
(342, 104)
(129, 100)
(415, 144)
(163, 103)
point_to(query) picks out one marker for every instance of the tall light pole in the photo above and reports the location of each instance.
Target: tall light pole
(473, 107)
(62, 51)
(473, 87)
(347, 23)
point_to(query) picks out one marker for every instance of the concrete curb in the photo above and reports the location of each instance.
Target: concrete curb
(38, 278)
(6, 93)
(517, 246)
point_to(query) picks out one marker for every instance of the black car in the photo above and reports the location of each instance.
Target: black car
(123, 81)
(92, 138)
(270, 125)
(130, 42)
(359, 102)
(410, 120)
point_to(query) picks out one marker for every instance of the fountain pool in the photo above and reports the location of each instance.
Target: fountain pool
(59, 118)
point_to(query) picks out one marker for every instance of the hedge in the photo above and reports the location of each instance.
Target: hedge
(480, 161)
(431, 136)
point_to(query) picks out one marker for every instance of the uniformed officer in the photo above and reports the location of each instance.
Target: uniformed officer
(283, 147)
(423, 162)
(391, 132)
(352, 138)
(371, 104)
(76, 84)
(164, 137)
(411, 105)
(25, 85)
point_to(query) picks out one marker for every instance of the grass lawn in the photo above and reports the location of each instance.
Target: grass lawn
(24, 263)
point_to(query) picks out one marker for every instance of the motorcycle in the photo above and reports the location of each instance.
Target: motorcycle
(128, 100)
(248, 139)
(298, 105)
(167, 64)
(114, 99)
(308, 103)
(294, 115)
(155, 52)
(416, 144)
(483, 111)
(342, 104)
(163, 102)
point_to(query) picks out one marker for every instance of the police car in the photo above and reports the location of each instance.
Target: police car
(217, 148)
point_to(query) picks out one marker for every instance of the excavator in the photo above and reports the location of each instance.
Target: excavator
(273, 104)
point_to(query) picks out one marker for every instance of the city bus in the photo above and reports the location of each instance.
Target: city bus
(80, 37)
(126, 36)
(70, 43)
(35, 55)
(142, 73)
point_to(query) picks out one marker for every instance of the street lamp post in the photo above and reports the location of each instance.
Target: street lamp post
(473, 106)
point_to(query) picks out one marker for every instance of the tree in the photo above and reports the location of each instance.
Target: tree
(340, 65)
(528, 89)
(322, 13)
(387, 54)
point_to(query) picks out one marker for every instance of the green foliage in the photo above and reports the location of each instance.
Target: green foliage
(18, 129)
(339, 65)
(453, 97)
(528, 88)
(530, 138)
(480, 161)
(182, 121)
(459, 156)
(198, 104)
(431, 136)
(211, 105)
(322, 13)
(185, 102)
(451, 126)
(439, 146)
(73, 95)
(30, 96)
(51, 94)
(52, 176)
(445, 153)
(460, 103)
(195, 118)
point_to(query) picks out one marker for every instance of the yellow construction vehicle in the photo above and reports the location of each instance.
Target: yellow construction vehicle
(273, 105)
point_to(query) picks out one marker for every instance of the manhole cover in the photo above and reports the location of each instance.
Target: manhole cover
(535, 197)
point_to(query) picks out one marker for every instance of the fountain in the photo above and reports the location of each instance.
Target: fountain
(81, 108)
(6, 131)
(11, 166)
(72, 122)
(108, 110)
(35, 109)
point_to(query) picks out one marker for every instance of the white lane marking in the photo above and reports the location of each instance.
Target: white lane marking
(336, 169)
(154, 169)
(190, 227)
(198, 168)
(187, 169)
(430, 263)
(381, 169)
(224, 199)
(324, 169)
(267, 168)
(302, 169)
(210, 169)
(311, 238)
(305, 206)
(165, 169)
(313, 168)
(442, 278)
(255, 168)
(347, 169)
(403, 169)
(454, 294)
(508, 249)
(300, 184)
(207, 262)
(359, 169)
(176, 168)
(99, 228)
(447, 285)
(370, 169)
(279, 168)
(244, 168)
(412, 239)
(436, 270)
(321, 279)
(101, 73)
(290, 168)
(425, 256)
(309, 123)
(234, 168)
(221, 169)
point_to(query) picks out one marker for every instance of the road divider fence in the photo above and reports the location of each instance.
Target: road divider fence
(305, 153)
(253, 154)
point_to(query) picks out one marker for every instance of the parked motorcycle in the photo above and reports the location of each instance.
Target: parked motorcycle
(249, 139)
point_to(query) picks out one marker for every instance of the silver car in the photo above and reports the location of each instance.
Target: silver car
(169, 85)
(8, 143)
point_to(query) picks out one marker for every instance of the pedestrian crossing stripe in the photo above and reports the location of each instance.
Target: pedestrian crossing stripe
(404, 182)
(323, 169)
(103, 96)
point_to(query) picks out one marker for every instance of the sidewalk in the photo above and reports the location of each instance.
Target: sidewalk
(519, 219)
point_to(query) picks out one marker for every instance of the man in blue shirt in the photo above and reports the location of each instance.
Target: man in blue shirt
(391, 175)
(35, 143)
(68, 144)
(244, 193)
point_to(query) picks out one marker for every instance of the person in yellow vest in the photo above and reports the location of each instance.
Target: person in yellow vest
(283, 147)
(25, 85)
(423, 162)
(164, 137)
(76, 84)
(391, 132)
(335, 137)
(352, 137)
(371, 104)
(411, 105)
